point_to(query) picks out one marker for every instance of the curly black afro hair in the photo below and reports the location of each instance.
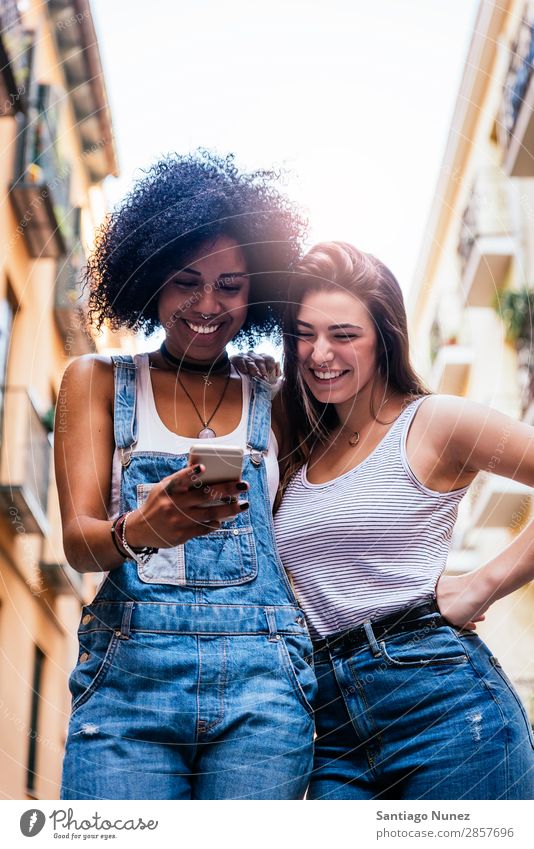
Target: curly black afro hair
(182, 203)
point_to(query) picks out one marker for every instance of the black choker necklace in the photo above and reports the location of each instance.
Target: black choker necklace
(218, 367)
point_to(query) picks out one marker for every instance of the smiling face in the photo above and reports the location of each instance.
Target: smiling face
(203, 306)
(336, 345)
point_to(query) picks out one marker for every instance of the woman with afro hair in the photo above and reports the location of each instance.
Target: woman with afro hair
(193, 680)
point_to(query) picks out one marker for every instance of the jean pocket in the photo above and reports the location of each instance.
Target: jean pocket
(441, 647)
(298, 665)
(222, 558)
(504, 677)
(97, 651)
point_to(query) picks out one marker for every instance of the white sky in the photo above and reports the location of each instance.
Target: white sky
(355, 97)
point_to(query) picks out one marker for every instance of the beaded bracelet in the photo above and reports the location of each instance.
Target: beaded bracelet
(118, 534)
(117, 537)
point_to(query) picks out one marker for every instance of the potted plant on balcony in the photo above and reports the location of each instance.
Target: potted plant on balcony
(515, 307)
(516, 310)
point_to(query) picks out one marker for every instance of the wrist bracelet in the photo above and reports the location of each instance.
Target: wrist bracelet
(140, 555)
(116, 537)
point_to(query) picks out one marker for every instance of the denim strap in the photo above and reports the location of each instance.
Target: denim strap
(124, 418)
(259, 417)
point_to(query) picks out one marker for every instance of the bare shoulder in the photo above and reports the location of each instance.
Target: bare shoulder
(444, 413)
(88, 374)
(471, 435)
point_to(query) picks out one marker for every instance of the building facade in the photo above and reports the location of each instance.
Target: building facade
(471, 303)
(56, 149)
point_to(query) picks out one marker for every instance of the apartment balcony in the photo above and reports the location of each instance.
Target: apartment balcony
(501, 503)
(15, 59)
(76, 44)
(40, 191)
(451, 369)
(486, 245)
(69, 300)
(24, 462)
(516, 119)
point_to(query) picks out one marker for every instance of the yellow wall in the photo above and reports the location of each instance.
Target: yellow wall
(32, 613)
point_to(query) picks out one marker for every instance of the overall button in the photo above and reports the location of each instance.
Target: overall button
(300, 621)
(84, 657)
(87, 618)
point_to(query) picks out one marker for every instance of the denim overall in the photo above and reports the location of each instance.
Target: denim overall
(194, 676)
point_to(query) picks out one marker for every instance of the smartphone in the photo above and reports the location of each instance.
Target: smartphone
(222, 462)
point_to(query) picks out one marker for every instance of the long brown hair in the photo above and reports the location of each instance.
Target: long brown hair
(340, 265)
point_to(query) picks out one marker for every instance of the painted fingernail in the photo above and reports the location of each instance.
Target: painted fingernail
(197, 469)
(244, 505)
(242, 486)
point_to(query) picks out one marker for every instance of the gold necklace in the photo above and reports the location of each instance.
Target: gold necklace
(355, 436)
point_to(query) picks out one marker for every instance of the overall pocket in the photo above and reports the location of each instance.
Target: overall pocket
(97, 651)
(436, 647)
(299, 669)
(222, 558)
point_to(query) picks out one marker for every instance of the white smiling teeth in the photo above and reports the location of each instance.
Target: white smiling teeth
(327, 375)
(202, 328)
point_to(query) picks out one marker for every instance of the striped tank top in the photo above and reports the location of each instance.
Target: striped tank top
(368, 543)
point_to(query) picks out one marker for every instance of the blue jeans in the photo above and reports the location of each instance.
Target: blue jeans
(426, 714)
(162, 715)
(194, 678)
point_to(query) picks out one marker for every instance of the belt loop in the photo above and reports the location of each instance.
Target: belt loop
(124, 632)
(369, 633)
(271, 622)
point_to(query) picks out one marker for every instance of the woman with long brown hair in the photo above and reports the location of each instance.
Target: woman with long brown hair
(412, 704)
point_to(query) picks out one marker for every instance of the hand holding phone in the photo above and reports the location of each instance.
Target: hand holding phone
(222, 463)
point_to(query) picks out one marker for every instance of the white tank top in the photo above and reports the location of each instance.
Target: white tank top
(154, 436)
(369, 542)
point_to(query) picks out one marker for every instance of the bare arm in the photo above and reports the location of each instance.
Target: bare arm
(175, 509)
(474, 438)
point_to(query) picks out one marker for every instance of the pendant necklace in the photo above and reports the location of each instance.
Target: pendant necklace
(206, 432)
(355, 438)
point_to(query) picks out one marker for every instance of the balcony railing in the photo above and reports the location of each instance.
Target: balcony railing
(486, 244)
(15, 59)
(40, 192)
(24, 462)
(516, 120)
